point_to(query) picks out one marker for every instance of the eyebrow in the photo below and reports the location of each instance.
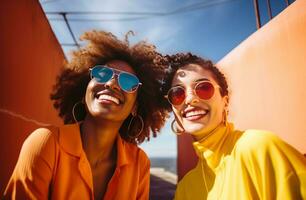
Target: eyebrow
(176, 85)
(199, 80)
(202, 79)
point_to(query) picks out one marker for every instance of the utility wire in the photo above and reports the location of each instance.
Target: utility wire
(70, 30)
(141, 15)
(103, 20)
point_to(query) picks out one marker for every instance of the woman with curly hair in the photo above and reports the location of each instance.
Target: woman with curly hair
(233, 164)
(108, 97)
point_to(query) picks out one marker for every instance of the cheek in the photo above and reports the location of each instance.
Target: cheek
(218, 109)
(130, 100)
(89, 91)
(88, 94)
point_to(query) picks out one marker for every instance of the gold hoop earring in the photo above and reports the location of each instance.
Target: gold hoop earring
(175, 129)
(131, 121)
(73, 110)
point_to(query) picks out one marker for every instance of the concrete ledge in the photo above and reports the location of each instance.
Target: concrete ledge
(165, 175)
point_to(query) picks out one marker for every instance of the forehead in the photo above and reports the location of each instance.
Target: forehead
(120, 65)
(190, 73)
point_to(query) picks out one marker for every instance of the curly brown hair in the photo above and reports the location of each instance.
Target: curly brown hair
(148, 64)
(180, 60)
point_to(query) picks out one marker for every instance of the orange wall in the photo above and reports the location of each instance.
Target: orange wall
(267, 74)
(30, 60)
(267, 77)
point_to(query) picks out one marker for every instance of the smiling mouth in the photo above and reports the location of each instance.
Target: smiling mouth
(106, 98)
(194, 115)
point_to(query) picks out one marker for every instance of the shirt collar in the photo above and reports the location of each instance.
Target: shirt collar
(70, 141)
(123, 157)
(218, 144)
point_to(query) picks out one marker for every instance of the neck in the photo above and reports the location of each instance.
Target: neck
(99, 139)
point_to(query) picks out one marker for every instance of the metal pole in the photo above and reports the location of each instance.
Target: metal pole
(258, 23)
(70, 30)
(269, 9)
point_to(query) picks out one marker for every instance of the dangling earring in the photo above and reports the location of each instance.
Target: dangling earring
(73, 110)
(134, 116)
(224, 120)
(225, 111)
(175, 129)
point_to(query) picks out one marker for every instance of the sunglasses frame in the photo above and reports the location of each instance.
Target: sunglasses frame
(194, 91)
(116, 74)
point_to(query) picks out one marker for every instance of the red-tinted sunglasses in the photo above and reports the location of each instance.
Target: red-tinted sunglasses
(204, 90)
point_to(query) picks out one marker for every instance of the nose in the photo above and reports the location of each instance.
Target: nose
(191, 98)
(112, 84)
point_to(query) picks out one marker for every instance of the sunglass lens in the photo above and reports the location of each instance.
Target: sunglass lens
(205, 90)
(128, 82)
(176, 95)
(101, 74)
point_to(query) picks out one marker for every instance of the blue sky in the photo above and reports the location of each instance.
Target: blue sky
(209, 28)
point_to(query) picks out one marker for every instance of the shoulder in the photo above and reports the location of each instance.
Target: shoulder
(40, 141)
(254, 145)
(142, 155)
(264, 143)
(252, 140)
(264, 153)
(41, 137)
(143, 161)
(135, 153)
(39, 145)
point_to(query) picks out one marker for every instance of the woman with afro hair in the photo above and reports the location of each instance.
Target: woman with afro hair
(108, 97)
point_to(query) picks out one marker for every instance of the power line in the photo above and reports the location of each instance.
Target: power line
(102, 12)
(68, 44)
(199, 6)
(70, 30)
(102, 20)
(141, 15)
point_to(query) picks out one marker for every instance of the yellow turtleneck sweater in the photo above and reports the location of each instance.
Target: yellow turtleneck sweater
(236, 165)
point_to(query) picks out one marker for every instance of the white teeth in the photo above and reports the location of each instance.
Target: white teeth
(196, 112)
(110, 98)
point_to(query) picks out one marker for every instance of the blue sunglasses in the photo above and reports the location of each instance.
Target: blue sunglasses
(127, 82)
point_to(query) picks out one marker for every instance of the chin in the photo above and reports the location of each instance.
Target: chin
(195, 129)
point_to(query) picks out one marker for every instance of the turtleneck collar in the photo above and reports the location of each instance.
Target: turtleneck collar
(217, 144)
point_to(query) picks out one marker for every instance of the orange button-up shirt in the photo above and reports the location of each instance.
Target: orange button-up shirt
(53, 165)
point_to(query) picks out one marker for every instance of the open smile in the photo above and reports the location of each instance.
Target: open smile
(193, 114)
(108, 98)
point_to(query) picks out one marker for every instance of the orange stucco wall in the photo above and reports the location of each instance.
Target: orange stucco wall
(267, 77)
(30, 60)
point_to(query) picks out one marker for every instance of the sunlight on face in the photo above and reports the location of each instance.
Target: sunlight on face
(108, 101)
(198, 116)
